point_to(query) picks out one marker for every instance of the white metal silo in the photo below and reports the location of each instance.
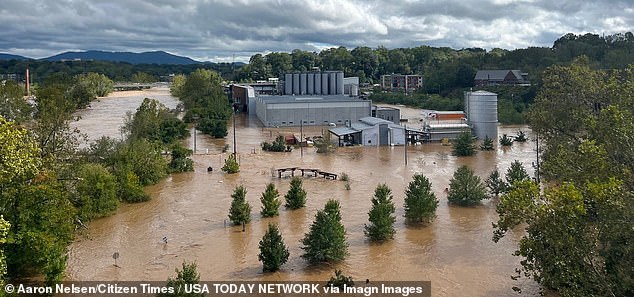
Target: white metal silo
(481, 108)
(311, 84)
(324, 83)
(317, 83)
(302, 84)
(340, 82)
(296, 83)
(288, 84)
(332, 83)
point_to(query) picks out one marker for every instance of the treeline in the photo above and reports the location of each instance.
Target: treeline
(40, 71)
(50, 188)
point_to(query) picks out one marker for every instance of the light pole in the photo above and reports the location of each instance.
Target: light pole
(234, 134)
(405, 133)
(195, 118)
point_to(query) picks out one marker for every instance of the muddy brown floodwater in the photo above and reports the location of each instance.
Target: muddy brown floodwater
(454, 252)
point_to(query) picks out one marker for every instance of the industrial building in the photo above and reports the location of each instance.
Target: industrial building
(486, 78)
(314, 83)
(387, 113)
(277, 111)
(370, 131)
(439, 125)
(481, 108)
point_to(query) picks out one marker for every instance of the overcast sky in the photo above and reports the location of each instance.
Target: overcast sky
(218, 31)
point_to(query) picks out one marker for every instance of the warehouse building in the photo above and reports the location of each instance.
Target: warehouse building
(333, 110)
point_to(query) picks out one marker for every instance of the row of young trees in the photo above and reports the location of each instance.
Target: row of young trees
(326, 239)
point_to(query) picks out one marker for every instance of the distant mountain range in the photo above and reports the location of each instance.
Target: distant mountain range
(155, 57)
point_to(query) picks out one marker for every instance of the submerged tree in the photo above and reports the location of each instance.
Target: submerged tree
(420, 200)
(273, 251)
(296, 195)
(188, 275)
(326, 240)
(340, 280)
(516, 172)
(487, 144)
(270, 201)
(505, 140)
(231, 165)
(521, 136)
(495, 183)
(466, 188)
(240, 211)
(463, 145)
(381, 216)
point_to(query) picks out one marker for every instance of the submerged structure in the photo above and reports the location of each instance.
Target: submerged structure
(481, 108)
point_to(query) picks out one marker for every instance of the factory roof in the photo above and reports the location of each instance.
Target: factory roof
(362, 124)
(272, 99)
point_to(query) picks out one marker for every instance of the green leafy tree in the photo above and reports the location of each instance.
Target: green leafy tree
(129, 187)
(487, 144)
(296, 195)
(97, 85)
(273, 251)
(13, 107)
(326, 240)
(144, 159)
(466, 188)
(231, 165)
(505, 140)
(96, 191)
(188, 275)
(324, 145)
(240, 211)
(180, 161)
(279, 145)
(381, 216)
(270, 201)
(176, 88)
(464, 145)
(516, 172)
(4, 229)
(495, 184)
(420, 201)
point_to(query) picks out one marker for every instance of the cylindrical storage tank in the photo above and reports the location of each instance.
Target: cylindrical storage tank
(302, 84)
(354, 90)
(288, 84)
(310, 89)
(340, 82)
(296, 83)
(482, 112)
(324, 83)
(332, 83)
(317, 83)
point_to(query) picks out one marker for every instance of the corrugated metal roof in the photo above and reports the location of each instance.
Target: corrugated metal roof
(343, 131)
(374, 121)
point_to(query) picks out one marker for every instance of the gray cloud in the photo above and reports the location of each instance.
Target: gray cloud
(219, 30)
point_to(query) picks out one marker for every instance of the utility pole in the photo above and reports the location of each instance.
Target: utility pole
(537, 169)
(301, 138)
(405, 133)
(234, 134)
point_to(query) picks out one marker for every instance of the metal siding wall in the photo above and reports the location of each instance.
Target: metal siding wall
(302, 84)
(332, 83)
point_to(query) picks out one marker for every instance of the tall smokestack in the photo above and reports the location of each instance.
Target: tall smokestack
(28, 83)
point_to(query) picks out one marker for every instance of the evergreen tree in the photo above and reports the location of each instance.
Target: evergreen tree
(487, 144)
(505, 140)
(495, 183)
(420, 201)
(516, 172)
(326, 240)
(463, 145)
(296, 196)
(273, 251)
(188, 275)
(340, 280)
(466, 188)
(270, 201)
(240, 211)
(521, 136)
(231, 165)
(381, 216)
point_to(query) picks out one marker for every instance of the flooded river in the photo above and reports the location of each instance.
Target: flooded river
(454, 252)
